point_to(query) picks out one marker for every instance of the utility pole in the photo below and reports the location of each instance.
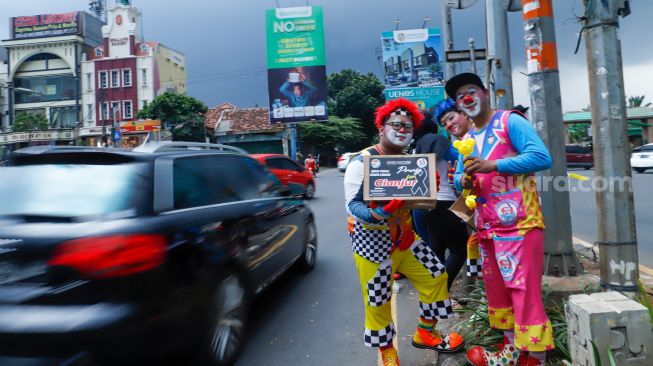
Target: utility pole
(293, 141)
(498, 54)
(447, 40)
(617, 237)
(472, 54)
(546, 115)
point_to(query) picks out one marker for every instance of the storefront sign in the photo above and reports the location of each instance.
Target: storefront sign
(93, 131)
(46, 25)
(119, 41)
(140, 126)
(15, 137)
(296, 64)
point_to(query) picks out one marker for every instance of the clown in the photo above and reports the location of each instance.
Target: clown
(384, 243)
(509, 223)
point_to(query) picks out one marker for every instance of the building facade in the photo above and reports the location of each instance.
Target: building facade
(122, 75)
(43, 62)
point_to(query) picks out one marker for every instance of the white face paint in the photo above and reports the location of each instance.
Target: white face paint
(397, 138)
(474, 109)
(469, 101)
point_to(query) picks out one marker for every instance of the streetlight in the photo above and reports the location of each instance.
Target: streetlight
(426, 20)
(397, 21)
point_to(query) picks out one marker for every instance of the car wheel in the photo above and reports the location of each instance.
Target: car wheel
(310, 191)
(309, 256)
(640, 170)
(227, 320)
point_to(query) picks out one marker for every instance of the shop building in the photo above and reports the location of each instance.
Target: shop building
(122, 75)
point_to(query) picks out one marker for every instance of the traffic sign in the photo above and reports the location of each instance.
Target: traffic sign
(464, 55)
(116, 135)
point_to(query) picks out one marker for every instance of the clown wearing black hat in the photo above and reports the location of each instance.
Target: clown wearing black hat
(384, 243)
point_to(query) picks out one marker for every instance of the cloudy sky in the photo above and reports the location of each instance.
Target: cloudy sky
(224, 40)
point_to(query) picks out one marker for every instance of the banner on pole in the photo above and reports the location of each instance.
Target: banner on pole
(297, 83)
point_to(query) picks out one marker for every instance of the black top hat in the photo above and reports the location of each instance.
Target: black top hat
(462, 79)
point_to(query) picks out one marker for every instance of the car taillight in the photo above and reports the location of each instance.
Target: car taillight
(111, 256)
(341, 158)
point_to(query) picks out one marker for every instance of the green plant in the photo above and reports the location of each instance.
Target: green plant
(645, 300)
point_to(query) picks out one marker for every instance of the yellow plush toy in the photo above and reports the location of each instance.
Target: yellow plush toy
(465, 147)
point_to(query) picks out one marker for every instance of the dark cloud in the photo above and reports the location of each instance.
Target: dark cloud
(224, 41)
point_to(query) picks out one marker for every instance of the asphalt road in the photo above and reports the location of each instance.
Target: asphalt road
(584, 219)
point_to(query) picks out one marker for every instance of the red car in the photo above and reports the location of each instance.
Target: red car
(288, 172)
(579, 156)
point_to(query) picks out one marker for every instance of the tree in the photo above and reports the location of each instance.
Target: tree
(578, 132)
(181, 114)
(637, 101)
(344, 134)
(352, 94)
(26, 121)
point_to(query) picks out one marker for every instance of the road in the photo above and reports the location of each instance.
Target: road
(584, 219)
(317, 319)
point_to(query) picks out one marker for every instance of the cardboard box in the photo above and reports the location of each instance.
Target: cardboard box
(408, 177)
(460, 209)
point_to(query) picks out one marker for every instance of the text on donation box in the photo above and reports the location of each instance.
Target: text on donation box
(409, 177)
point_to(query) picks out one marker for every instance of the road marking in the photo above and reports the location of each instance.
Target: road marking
(393, 306)
(586, 244)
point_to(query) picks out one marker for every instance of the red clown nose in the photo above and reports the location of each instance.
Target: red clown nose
(468, 99)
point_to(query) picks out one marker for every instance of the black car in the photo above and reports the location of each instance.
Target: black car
(132, 255)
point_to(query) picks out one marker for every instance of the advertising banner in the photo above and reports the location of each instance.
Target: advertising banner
(413, 65)
(45, 25)
(296, 64)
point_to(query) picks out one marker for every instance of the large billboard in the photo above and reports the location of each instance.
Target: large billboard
(413, 65)
(45, 25)
(296, 64)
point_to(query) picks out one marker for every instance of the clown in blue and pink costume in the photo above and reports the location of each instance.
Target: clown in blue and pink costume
(509, 222)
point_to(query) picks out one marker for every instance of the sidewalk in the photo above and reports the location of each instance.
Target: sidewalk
(406, 300)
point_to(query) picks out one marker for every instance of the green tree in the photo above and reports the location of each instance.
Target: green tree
(637, 101)
(352, 94)
(578, 132)
(181, 114)
(345, 134)
(26, 121)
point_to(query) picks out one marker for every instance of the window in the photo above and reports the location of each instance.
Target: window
(115, 79)
(99, 52)
(89, 112)
(104, 110)
(89, 84)
(63, 117)
(103, 80)
(115, 110)
(45, 88)
(145, 48)
(144, 76)
(127, 110)
(126, 77)
(268, 184)
(212, 180)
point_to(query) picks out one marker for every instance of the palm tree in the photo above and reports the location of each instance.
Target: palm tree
(637, 101)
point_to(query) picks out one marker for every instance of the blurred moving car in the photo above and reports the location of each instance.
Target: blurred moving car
(139, 253)
(289, 172)
(579, 156)
(343, 160)
(642, 158)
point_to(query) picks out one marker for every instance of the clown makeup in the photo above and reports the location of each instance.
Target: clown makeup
(469, 101)
(401, 137)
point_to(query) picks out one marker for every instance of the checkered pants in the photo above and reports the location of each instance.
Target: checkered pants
(373, 244)
(474, 267)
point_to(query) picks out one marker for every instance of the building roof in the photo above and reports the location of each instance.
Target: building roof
(586, 116)
(244, 121)
(213, 115)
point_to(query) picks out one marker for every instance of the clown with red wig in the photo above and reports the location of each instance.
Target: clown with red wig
(384, 243)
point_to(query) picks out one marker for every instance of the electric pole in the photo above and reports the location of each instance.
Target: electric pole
(498, 54)
(472, 54)
(546, 115)
(447, 40)
(617, 237)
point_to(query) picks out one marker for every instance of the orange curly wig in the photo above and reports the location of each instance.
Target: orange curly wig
(384, 111)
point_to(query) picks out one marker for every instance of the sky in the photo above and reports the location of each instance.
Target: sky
(224, 41)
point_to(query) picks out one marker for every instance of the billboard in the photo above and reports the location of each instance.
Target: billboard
(45, 25)
(296, 64)
(413, 65)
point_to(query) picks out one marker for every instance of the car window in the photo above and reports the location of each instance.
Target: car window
(202, 181)
(268, 184)
(72, 190)
(290, 165)
(275, 163)
(647, 148)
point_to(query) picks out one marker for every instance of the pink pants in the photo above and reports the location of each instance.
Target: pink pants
(512, 270)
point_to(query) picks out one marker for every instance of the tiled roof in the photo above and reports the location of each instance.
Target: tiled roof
(632, 113)
(247, 120)
(213, 115)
